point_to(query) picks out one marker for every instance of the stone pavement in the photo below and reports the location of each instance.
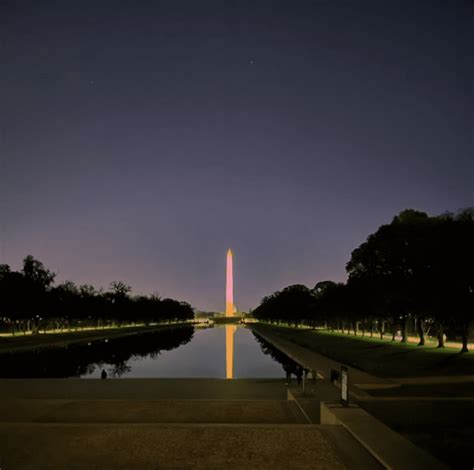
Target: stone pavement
(144, 389)
(93, 424)
(152, 411)
(164, 446)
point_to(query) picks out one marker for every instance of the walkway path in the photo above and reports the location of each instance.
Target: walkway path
(322, 364)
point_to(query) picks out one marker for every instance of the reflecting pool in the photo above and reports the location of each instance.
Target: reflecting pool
(216, 352)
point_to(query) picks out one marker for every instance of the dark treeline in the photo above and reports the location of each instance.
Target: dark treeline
(417, 270)
(80, 359)
(29, 300)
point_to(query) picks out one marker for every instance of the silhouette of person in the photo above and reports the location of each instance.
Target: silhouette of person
(103, 375)
(288, 374)
(299, 374)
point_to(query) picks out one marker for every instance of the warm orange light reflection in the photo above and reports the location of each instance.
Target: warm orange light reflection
(229, 351)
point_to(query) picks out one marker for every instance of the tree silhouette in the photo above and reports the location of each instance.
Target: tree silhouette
(417, 268)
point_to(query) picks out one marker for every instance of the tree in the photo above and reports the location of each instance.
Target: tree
(457, 268)
(294, 304)
(30, 296)
(35, 272)
(38, 281)
(417, 268)
(120, 289)
(13, 301)
(392, 258)
(64, 301)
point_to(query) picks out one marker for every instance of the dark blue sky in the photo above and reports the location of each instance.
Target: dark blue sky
(140, 140)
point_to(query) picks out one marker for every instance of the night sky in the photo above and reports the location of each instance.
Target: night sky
(140, 140)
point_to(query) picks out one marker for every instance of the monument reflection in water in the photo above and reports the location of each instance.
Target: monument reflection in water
(229, 351)
(175, 352)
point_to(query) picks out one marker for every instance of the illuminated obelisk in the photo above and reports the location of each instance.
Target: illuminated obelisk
(229, 287)
(229, 312)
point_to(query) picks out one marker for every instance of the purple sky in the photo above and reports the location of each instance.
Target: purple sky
(140, 140)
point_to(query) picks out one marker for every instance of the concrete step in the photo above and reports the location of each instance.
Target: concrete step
(144, 389)
(154, 446)
(151, 411)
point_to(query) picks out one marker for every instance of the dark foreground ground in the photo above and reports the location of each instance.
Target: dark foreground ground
(165, 423)
(431, 397)
(159, 446)
(444, 428)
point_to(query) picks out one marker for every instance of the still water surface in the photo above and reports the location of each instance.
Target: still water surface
(204, 356)
(218, 352)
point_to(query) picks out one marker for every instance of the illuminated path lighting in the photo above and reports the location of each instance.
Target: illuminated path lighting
(229, 312)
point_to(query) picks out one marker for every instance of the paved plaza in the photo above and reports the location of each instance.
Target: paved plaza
(165, 424)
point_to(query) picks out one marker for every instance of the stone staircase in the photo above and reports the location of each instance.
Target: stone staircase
(164, 423)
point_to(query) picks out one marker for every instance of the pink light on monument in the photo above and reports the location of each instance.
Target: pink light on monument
(229, 312)
(229, 290)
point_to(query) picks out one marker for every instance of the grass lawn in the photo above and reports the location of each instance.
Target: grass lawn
(381, 357)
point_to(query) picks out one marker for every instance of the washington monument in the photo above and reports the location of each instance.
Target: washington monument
(229, 288)
(229, 312)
